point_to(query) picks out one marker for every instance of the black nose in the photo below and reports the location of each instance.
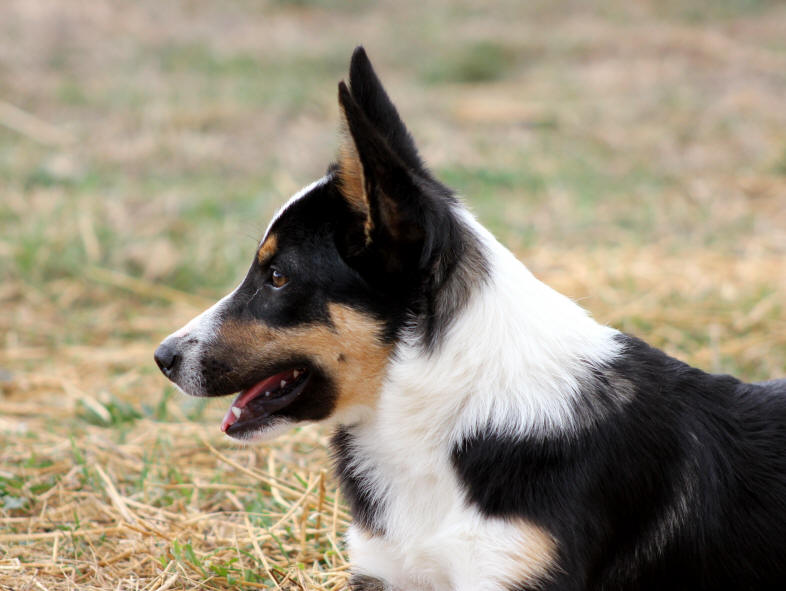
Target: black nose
(166, 358)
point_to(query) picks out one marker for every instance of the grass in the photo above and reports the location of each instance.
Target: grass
(481, 61)
(632, 154)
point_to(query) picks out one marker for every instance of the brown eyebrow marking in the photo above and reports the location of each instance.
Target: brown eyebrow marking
(267, 250)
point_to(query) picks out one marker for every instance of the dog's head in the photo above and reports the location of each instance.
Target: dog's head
(348, 265)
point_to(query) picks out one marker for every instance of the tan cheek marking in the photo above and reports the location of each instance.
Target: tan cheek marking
(362, 360)
(534, 556)
(267, 250)
(350, 352)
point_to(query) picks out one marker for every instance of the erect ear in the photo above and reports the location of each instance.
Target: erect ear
(380, 184)
(370, 96)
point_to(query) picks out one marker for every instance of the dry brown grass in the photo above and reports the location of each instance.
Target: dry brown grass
(634, 154)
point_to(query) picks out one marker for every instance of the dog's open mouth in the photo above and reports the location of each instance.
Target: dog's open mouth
(253, 407)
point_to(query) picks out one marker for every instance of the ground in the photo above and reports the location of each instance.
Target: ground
(633, 154)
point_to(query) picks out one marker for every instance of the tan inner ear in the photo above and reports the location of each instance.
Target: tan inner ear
(351, 180)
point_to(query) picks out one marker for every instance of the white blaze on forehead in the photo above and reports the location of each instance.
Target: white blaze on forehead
(296, 197)
(204, 325)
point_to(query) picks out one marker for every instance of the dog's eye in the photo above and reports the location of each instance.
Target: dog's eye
(278, 279)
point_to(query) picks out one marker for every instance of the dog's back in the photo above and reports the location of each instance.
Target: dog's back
(699, 473)
(777, 387)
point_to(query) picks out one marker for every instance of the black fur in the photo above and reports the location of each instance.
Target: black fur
(370, 95)
(355, 486)
(680, 486)
(419, 246)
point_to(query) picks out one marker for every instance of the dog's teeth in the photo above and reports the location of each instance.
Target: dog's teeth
(296, 373)
(237, 411)
(267, 394)
(283, 383)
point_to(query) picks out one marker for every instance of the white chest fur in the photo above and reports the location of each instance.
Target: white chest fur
(433, 540)
(411, 552)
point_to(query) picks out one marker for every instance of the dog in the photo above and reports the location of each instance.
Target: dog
(489, 434)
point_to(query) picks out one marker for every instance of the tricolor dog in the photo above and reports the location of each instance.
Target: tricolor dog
(489, 434)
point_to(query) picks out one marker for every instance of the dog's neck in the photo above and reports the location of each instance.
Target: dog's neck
(513, 358)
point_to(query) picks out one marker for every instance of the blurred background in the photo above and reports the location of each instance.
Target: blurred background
(633, 154)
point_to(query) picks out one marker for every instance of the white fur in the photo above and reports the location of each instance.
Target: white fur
(512, 362)
(196, 336)
(297, 196)
(268, 432)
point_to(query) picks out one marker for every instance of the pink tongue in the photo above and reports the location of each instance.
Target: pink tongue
(266, 385)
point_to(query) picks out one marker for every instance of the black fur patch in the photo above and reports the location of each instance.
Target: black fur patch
(461, 270)
(355, 486)
(370, 95)
(681, 487)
